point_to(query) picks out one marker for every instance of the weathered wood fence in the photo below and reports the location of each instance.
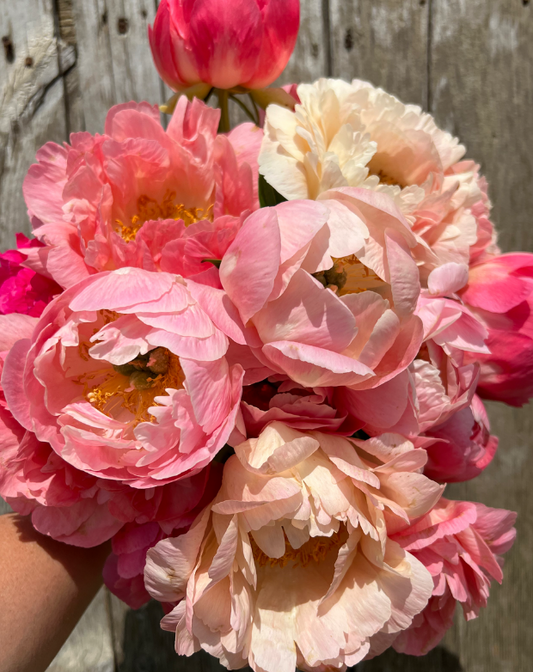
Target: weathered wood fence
(469, 62)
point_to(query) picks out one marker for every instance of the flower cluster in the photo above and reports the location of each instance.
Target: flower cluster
(254, 359)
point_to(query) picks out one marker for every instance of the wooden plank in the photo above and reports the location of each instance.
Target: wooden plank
(90, 647)
(384, 42)
(32, 105)
(310, 58)
(481, 89)
(4, 507)
(115, 64)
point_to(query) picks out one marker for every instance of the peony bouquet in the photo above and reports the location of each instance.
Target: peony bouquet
(253, 357)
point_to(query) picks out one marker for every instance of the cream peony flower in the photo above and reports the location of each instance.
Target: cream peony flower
(291, 564)
(354, 135)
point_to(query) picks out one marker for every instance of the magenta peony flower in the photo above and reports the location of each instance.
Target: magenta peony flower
(500, 294)
(291, 565)
(22, 290)
(223, 44)
(125, 377)
(141, 196)
(461, 544)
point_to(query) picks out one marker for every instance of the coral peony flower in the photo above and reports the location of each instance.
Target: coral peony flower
(461, 544)
(125, 377)
(280, 399)
(500, 294)
(354, 135)
(291, 565)
(139, 195)
(21, 289)
(221, 44)
(77, 508)
(327, 290)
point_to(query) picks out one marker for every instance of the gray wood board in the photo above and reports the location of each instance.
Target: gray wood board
(469, 62)
(481, 88)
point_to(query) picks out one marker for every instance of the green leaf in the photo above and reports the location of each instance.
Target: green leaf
(224, 454)
(268, 196)
(215, 262)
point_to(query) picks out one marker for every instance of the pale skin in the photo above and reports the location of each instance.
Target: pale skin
(45, 586)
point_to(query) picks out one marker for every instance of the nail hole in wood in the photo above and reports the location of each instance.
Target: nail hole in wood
(422, 3)
(348, 40)
(28, 62)
(144, 13)
(315, 50)
(104, 18)
(9, 48)
(525, 3)
(123, 25)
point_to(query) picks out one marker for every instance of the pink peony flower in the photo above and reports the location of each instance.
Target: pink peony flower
(139, 195)
(291, 565)
(327, 290)
(21, 289)
(78, 508)
(500, 294)
(125, 377)
(461, 544)
(280, 399)
(434, 404)
(221, 44)
(373, 141)
(462, 447)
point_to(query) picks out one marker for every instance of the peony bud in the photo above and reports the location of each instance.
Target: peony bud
(223, 44)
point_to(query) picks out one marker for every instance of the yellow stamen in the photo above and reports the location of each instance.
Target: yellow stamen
(116, 391)
(386, 179)
(349, 276)
(150, 209)
(314, 550)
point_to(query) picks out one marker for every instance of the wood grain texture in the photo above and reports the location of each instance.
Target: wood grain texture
(384, 42)
(90, 645)
(481, 89)
(115, 63)
(32, 107)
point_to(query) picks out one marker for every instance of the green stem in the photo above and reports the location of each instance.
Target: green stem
(206, 99)
(256, 110)
(243, 108)
(223, 98)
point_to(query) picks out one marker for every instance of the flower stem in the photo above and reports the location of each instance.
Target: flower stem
(244, 108)
(223, 98)
(256, 111)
